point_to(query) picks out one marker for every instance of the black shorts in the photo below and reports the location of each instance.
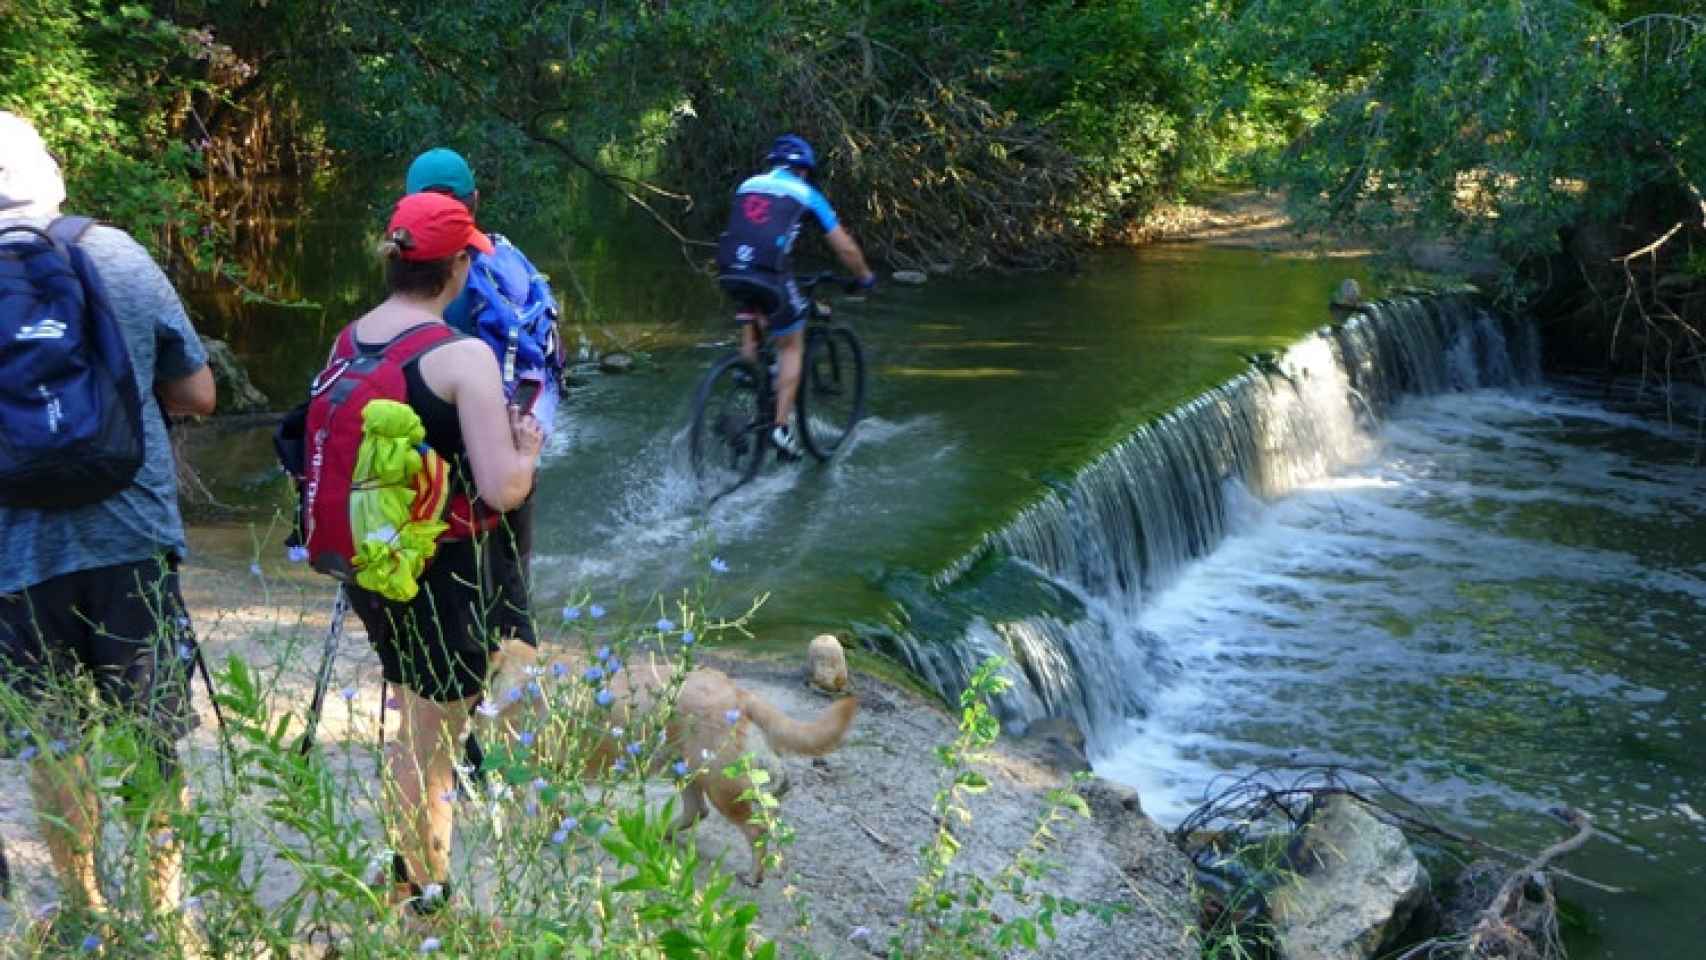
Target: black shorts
(473, 594)
(122, 628)
(776, 296)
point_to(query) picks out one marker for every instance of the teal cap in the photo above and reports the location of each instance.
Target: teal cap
(440, 167)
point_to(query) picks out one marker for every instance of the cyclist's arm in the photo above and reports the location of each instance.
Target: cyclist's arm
(848, 252)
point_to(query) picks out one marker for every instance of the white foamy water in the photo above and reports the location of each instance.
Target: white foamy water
(1481, 563)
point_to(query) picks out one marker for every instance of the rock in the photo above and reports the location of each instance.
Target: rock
(909, 277)
(616, 362)
(1110, 801)
(828, 664)
(1355, 886)
(236, 394)
(1057, 742)
(1348, 296)
(1157, 881)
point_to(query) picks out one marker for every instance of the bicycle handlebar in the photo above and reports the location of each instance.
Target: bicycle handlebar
(809, 281)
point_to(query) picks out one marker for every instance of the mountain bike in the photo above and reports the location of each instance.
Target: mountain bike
(735, 404)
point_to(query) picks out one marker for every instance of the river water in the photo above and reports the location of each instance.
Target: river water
(1488, 588)
(1502, 608)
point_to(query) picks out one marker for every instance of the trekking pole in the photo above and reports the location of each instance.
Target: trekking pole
(334, 634)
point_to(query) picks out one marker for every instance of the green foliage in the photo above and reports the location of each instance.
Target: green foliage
(1492, 124)
(99, 80)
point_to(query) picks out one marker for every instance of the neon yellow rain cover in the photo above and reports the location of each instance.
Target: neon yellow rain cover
(397, 496)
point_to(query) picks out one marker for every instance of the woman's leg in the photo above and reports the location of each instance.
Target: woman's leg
(423, 776)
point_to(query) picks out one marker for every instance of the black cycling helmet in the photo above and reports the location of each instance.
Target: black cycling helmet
(793, 151)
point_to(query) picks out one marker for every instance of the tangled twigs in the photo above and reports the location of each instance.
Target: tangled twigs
(1520, 921)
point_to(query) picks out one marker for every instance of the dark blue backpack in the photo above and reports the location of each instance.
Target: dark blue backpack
(514, 312)
(70, 411)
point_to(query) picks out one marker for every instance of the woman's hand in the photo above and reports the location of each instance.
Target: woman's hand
(528, 434)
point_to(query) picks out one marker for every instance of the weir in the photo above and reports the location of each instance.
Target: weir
(1058, 589)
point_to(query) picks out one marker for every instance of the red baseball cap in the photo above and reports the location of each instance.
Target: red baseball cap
(432, 226)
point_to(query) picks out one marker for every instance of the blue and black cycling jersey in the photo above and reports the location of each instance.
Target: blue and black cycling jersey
(765, 222)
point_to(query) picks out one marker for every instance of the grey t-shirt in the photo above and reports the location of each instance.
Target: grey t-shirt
(142, 520)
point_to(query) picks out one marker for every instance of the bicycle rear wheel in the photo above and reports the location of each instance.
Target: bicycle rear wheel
(832, 390)
(727, 439)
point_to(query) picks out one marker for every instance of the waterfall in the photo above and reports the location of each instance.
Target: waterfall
(1129, 521)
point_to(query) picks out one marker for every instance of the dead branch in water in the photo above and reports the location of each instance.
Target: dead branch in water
(1514, 924)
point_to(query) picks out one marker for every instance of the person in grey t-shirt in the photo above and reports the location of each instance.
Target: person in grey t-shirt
(90, 594)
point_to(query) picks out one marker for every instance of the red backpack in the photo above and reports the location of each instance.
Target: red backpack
(330, 444)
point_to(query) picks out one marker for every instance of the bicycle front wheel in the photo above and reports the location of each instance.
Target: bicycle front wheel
(726, 441)
(832, 390)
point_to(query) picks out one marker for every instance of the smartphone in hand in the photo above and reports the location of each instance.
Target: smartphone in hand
(526, 394)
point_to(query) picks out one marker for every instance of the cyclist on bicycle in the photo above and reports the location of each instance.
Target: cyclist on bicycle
(755, 265)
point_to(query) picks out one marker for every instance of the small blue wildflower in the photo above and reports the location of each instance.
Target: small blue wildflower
(392, 703)
(568, 824)
(527, 738)
(571, 613)
(185, 651)
(534, 690)
(732, 717)
(488, 709)
(593, 674)
(430, 945)
(560, 837)
(612, 666)
(532, 807)
(348, 693)
(512, 694)
(448, 796)
(559, 670)
(255, 569)
(297, 554)
(57, 746)
(718, 566)
(28, 753)
(151, 937)
(596, 611)
(603, 653)
(540, 783)
(605, 698)
(91, 943)
(635, 748)
(680, 768)
(620, 766)
(665, 624)
(687, 638)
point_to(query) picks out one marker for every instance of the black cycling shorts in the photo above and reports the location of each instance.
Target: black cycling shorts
(123, 628)
(473, 595)
(776, 296)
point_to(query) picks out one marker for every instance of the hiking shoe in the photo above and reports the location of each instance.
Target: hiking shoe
(786, 440)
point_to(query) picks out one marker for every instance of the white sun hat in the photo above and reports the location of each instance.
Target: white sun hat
(30, 182)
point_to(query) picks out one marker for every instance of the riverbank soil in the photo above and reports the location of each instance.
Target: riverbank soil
(860, 815)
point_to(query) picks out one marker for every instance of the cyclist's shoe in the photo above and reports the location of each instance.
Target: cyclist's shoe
(786, 440)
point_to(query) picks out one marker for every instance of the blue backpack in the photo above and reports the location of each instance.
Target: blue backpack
(513, 311)
(70, 410)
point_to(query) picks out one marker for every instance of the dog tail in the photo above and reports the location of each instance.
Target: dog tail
(787, 735)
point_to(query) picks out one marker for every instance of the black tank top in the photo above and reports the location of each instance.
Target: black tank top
(438, 415)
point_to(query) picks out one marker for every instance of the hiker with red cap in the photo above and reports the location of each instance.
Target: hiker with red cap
(411, 451)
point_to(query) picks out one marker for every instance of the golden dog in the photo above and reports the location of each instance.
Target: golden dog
(709, 729)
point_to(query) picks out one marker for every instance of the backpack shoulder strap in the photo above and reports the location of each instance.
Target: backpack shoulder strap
(417, 340)
(69, 230)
